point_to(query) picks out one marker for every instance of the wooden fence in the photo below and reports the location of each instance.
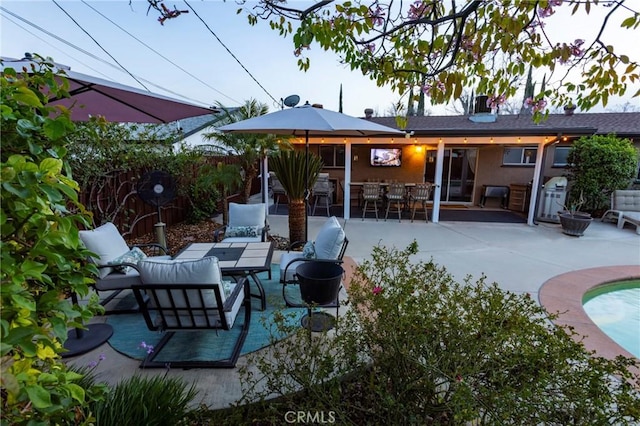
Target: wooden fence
(114, 199)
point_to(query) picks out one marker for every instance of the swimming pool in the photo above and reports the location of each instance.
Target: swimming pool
(615, 309)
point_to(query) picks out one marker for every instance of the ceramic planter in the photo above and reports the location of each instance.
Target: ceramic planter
(575, 224)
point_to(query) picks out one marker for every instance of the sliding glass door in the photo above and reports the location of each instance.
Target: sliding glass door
(458, 173)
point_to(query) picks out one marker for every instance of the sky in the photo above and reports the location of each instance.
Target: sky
(184, 59)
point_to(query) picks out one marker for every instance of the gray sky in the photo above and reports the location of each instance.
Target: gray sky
(209, 72)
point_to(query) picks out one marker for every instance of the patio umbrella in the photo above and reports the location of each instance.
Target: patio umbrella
(117, 102)
(306, 121)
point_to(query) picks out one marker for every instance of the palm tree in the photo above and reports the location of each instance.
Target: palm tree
(250, 148)
(224, 176)
(289, 167)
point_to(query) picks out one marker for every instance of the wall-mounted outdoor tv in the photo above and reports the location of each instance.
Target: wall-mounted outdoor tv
(386, 157)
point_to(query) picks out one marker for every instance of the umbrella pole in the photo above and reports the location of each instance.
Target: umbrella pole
(306, 187)
(265, 183)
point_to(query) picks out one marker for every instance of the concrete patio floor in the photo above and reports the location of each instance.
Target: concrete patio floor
(518, 257)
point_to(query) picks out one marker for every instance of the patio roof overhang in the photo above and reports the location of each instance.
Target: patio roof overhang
(472, 136)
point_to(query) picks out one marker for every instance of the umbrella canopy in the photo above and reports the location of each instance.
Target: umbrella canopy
(308, 121)
(117, 102)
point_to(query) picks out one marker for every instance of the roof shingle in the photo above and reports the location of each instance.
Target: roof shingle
(625, 124)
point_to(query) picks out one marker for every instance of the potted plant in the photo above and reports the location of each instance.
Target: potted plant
(573, 221)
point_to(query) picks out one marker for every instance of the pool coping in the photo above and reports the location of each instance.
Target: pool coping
(563, 294)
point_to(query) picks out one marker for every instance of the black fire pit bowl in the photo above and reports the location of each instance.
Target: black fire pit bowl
(319, 285)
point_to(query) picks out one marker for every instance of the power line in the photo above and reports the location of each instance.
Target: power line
(160, 54)
(90, 55)
(231, 53)
(57, 38)
(50, 44)
(100, 46)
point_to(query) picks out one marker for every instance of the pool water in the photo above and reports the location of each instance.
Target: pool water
(615, 309)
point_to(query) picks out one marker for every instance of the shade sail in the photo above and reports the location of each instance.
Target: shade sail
(93, 96)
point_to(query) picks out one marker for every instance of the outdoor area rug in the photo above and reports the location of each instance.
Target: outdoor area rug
(132, 338)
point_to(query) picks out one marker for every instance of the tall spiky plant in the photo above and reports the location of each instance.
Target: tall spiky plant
(289, 167)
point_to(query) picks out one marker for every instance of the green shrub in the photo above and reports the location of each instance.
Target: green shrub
(157, 400)
(211, 183)
(43, 260)
(598, 165)
(108, 159)
(417, 347)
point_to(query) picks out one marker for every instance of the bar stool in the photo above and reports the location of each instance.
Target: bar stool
(397, 195)
(421, 194)
(322, 190)
(370, 193)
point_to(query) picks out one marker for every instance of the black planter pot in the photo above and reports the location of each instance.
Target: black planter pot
(575, 224)
(319, 285)
(319, 282)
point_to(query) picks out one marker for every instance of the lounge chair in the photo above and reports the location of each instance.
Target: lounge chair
(625, 208)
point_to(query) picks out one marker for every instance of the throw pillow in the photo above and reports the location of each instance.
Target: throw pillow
(309, 250)
(241, 231)
(132, 256)
(227, 286)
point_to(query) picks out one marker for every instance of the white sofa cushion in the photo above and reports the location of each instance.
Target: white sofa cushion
(200, 271)
(243, 216)
(327, 245)
(247, 215)
(329, 241)
(107, 243)
(285, 260)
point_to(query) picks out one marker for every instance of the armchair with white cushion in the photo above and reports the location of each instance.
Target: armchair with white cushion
(115, 260)
(191, 295)
(247, 223)
(330, 245)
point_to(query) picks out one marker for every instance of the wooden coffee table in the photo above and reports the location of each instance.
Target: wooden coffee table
(239, 259)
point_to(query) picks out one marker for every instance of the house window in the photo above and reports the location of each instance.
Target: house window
(332, 155)
(560, 155)
(517, 156)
